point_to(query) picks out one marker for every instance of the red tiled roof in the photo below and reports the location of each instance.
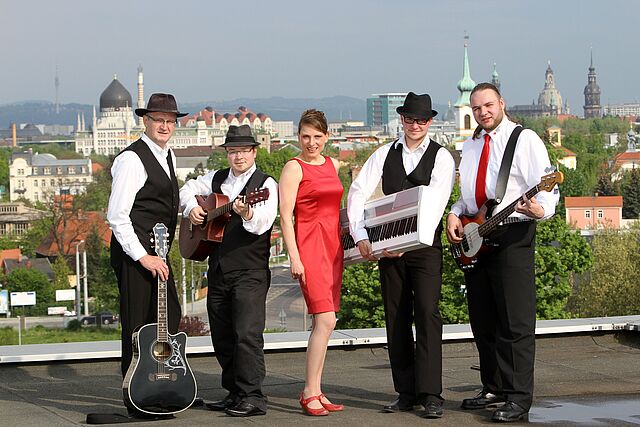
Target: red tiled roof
(566, 151)
(78, 226)
(594, 202)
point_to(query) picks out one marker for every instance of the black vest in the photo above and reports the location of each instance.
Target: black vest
(239, 249)
(157, 201)
(394, 177)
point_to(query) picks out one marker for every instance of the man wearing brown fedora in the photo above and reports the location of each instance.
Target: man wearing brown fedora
(411, 281)
(238, 274)
(144, 192)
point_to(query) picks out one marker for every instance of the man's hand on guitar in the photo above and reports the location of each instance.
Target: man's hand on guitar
(197, 215)
(529, 207)
(454, 228)
(156, 266)
(366, 250)
(243, 209)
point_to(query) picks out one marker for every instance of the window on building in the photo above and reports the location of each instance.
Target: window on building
(72, 170)
(587, 214)
(20, 227)
(600, 214)
(47, 171)
(467, 121)
(59, 170)
(20, 171)
(35, 182)
(3, 229)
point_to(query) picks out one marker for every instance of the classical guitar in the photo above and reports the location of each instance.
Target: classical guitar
(196, 240)
(478, 227)
(159, 379)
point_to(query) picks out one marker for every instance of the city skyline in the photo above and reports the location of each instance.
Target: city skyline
(209, 52)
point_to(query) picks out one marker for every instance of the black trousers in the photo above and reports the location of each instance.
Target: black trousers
(410, 293)
(236, 306)
(139, 302)
(501, 294)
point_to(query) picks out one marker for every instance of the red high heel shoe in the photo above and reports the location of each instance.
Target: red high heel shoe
(331, 407)
(312, 411)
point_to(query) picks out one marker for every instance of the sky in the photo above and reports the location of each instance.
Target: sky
(221, 51)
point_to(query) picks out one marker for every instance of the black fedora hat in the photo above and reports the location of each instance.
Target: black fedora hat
(161, 103)
(417, 107)
(239, 136)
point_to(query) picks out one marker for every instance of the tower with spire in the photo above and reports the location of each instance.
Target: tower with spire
(495, 78)
(465, 122)
(140, 93)
(592, 106)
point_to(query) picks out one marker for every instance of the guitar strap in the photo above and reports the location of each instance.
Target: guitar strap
(505, 166)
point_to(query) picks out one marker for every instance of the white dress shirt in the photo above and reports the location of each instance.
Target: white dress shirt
(263, 213)
(530, 163)
(129, 176)
(442, 179)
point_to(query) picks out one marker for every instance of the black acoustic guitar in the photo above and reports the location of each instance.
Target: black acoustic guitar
(159, 380)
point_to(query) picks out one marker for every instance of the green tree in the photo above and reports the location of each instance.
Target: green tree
(101, 279)
(613, 288)
(5, 159)
(272, 163)
(631, 193)
(96, 197)
(197, 171)
(561, 255)
(28, 280)
(361, 302)
(217, 160)
(605, 187)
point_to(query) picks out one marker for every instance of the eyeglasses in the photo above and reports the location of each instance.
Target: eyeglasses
(411, 120)
(162, 121)
(239, 152)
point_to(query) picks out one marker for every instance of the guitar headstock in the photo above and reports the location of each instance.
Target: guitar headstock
(547, 182)
(161, 240)
(257, 196)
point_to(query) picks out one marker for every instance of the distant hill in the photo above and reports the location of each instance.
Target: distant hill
(337, 108)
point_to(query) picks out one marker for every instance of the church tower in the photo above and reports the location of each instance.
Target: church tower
(592, 94)
(465, 123)
(140, 93)
(550, 95)
(495, 78)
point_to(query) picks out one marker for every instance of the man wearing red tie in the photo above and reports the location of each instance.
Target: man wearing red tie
(501, 290)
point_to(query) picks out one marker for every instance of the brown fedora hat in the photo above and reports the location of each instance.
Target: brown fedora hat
(161, 103)
(239, 136)
(417, 107)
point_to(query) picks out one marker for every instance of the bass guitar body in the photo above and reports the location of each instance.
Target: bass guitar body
(159, 380)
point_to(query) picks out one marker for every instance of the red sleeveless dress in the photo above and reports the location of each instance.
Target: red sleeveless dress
(317, 228)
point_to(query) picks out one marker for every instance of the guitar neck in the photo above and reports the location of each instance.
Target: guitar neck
(163, 331)
(491, 224)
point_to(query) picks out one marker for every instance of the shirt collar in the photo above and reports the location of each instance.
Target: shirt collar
(423, 145)
(243, 175)
(499, 130)
(155, 148)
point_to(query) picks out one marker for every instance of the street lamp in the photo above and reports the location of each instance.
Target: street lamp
(78, 305)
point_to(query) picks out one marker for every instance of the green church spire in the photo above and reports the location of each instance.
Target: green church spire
(465, 84)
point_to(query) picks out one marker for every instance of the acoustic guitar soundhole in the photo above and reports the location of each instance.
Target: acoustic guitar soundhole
(161, 351)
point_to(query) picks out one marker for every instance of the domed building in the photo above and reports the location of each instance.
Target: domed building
(115, 128)
(550, 95)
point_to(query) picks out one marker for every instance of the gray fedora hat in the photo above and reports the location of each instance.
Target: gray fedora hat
(161, 103)
(239, 136)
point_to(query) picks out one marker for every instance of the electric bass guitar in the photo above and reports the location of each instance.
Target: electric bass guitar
(159, 379)
(196, 240)
(478, 227)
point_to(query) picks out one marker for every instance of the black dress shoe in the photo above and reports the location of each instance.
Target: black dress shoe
(482, 400)
(244, 409)
(223, 404)
(508, 412)
(400, 404)
(433, 409)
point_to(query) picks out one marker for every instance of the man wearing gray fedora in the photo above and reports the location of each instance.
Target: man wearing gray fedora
(144, 192)
(411, 281)
(238, 274)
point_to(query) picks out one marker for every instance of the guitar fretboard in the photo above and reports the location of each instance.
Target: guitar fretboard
(487, 227)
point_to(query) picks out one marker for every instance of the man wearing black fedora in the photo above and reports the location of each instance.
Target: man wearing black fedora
(411, 281)
(238, 274)
(144, 192)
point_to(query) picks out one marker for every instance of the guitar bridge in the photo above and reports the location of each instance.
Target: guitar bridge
(163, 377)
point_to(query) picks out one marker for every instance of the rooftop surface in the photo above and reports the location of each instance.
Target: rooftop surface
(582, 378)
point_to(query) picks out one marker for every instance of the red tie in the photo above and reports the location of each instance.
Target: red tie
(481, 179)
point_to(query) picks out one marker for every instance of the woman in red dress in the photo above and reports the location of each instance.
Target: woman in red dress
(311, 191)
